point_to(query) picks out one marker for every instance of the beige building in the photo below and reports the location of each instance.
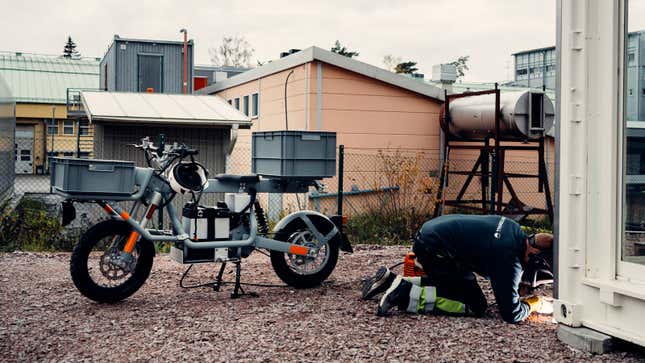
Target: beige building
(370, 108)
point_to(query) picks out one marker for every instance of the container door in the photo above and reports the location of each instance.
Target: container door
(150, 72)
(24, 149)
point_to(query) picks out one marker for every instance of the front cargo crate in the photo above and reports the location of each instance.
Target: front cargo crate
(294, 154)
(92, 176)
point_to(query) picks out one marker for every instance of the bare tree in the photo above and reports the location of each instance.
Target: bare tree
(235, 51)
(462, 65)
(390, 62)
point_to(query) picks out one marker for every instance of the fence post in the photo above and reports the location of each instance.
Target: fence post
(341, 174)
(78, 137)
(162, 147)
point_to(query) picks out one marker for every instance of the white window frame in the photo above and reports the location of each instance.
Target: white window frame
(626, 271)
(246, 107)
(84, 127)
(66, 125)
(255, 105)
(52, 124)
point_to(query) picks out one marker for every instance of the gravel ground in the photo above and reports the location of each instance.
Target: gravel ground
(43, 317)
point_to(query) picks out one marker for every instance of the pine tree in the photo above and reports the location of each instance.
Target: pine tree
(70, 49)
(342, 50)
(406, 67)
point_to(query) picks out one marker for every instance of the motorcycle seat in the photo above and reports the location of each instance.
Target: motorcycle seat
(234, 178)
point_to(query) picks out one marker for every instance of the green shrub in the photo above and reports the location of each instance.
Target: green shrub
(378, 227)
(30, 227)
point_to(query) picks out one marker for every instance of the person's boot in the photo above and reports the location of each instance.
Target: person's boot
(398, 294)
(378, 283)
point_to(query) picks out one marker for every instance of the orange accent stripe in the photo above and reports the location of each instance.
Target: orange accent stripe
(132, 240)
(124, 215)
(108, 209)
(298, 250)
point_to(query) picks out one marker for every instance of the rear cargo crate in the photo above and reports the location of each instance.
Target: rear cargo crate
(92, 176)
(294, 154)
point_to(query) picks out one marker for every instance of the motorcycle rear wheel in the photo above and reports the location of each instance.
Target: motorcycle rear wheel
(93, 272)
(304, 272)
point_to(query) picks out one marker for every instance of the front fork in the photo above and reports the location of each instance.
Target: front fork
(155, 201)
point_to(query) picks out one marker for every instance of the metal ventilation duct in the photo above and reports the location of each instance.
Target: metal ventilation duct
(525, 115)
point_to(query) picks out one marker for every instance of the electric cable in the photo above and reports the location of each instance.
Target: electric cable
(214, 283)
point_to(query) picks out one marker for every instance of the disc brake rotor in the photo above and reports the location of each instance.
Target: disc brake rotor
(307, 264)
(114, 265)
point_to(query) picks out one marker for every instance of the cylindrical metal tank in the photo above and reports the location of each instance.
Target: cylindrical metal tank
(525, 115)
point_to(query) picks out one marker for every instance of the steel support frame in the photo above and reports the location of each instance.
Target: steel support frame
(490, 168)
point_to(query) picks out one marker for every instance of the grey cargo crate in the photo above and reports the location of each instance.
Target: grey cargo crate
(92, 176)
(294, 154)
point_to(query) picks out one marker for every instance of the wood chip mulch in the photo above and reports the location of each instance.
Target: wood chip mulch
(43, 317)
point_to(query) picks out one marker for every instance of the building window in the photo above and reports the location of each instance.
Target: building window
(630, 58)
(246, 105)
(630, 92)
(230, 102)
(237, 103)
(52, 127)
(84, 127)
(68, 127)
(255, 110)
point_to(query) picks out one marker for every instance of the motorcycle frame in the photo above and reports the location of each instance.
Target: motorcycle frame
(154, 189)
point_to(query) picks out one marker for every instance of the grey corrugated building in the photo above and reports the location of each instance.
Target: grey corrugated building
(135, 65)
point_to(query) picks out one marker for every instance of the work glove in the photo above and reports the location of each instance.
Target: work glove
(534, 303)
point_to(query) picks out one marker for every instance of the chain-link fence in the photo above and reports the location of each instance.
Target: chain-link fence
(386, 194)
(7, 131)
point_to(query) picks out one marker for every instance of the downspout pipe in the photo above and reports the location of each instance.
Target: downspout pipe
(185, 59)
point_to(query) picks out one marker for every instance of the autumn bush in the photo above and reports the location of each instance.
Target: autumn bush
(405, 197)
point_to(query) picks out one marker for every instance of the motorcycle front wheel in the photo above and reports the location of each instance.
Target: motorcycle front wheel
(99, 268)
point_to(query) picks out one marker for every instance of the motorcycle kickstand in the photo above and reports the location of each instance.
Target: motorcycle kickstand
(218, 280)
(238, 291)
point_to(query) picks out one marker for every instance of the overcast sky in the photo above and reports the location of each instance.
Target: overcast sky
(428, 32)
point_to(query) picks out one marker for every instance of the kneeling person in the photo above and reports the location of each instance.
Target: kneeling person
(451, 249)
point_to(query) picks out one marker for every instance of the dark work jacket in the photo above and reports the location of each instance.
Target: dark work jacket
(491, 246)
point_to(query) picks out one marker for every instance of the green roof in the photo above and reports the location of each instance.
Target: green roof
(36, 78)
